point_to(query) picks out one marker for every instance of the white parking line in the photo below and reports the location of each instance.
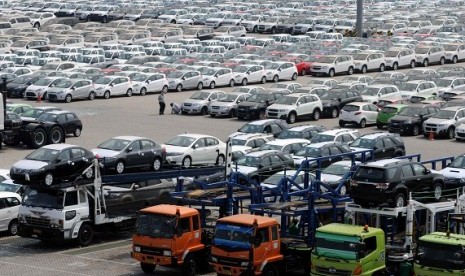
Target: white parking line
(65, 272)
(91, 247)
(101, 260)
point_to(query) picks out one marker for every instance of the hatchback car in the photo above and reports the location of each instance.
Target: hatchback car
(179, 80)
(51, 164)
(113, 86)
(125, 152)
(358, 113)
(68, 90)
(9, 207)
(144, 83)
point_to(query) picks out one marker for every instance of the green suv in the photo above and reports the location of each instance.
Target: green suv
(388, 112)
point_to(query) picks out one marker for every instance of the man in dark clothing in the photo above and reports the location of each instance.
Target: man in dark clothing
(406, 268)
(161, 102)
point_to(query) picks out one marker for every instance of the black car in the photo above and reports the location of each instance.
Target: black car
(32, 114)
(410, 119)
(269, 126)
(321, 149)
(335, 99)
(303, 131)
(287, 26)
(259, 165)
(68, 120)
(391, 180)
(124, 152)
(52, 164)
(255, 106)
(384, 145)
(17, 87)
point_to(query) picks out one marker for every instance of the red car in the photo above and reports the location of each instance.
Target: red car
(303, 67)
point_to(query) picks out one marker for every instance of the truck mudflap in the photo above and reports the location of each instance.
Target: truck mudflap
(42, 233)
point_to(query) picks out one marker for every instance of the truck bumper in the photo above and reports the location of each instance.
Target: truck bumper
(156, 260)
(42, 233)
(233, 271)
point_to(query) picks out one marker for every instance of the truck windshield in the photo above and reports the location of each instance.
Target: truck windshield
(43, 197)
(339, 246)
(446, 256)
(232, 235)
(155, 225)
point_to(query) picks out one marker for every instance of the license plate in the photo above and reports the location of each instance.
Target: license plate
(36, 231)
(226, 271)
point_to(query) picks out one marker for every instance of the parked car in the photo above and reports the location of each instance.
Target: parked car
(70, 89)
(226, 105)
(302, 131)
(255, 106)
(9, 207)
(113, 86)
(358, 113)
(269, 126)
(321, 149)
(454, 173)
(444, 122)
(199, 102)
(410, 119)
(335, 99)
(383, 145)
(179, 80)
(387, 112)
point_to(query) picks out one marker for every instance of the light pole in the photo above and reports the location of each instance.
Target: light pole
(359, 26)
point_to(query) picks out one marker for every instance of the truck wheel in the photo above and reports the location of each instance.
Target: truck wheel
(437, 188)
(147, 268)
(270, 270)
(38, 138)
(119, 167)
(56, 135)
(156, 164)
(189, 267)
(85, 235)
(77, 132)
(13, 227)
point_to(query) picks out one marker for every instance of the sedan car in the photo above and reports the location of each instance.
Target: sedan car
(226, 105)
(192, 149)
(51, 164)
(124, 152)
(322, 149)
(9, 207)
(199, 102)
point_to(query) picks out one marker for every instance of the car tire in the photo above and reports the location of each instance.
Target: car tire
(334, 113)
(364, 69)
(38, 138)
(68, 98)
(437, 190)
(244, 82)
(232, 83)
(232, 113)
(85, 235)
(451, 133)
(350, 71)
(165, 89)
(13, 228)
(442, 61)
(143, 91)
(379, 126)
(89, 174)
(400, 200)
(91, 95)
(120, 166)
(37, 25)
(204, 111)
(316, 114)
(261, 114)
(106, 95)
(415, 130)
(56, 135)
(220, 160)
(255, 29)
(263, 80)
(331, 72)
(413, 64)
(395, 66)
(425, 62)
(275, 78)
(273, 30)
(455, 59)
(77, 132)
(382, 68)
(179, 87)
(48, 179)
(156, 164)
(129, 92)
(147, 268)
(343, 190)
(105, 19)
(291, 118)
(303, 73)
(294, 76)
(363, 123)
(212, 85)
(200, 86)
(186, 162)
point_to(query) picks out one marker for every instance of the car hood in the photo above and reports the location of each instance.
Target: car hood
(453, 172)
(217, 103)
(250, 104)
(403, 118)
(105, 152)
(36, 87)
(245, 169)
(281, 106)
(192, 101)
(330, 178)
(171, 148)
(29, 164)
(438, 121)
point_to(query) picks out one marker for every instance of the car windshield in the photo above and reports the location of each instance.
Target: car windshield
(389, 110)
(228, 98)
(43, 154)
(39, 62)
(21, 80)
(270, 147)
(9, 187)
(33, 113)
(445, 114)
(175, 75)
(103, 80)
(408, 86)
(309, 152)
(324, 59)
(370, 91)
(410, 111)
(251, 128)
(49, 66)
(200, 95)
(421, 50)
(458, 162)
(210, 72)
(289, 134)
(181, 141)
(114, 144)
(444, 83)
(272, 66)
(322, 138)
(64, 84)
(47, 117)
(363, 143)
(43, 197)
(337, 169)
(155, 225)
(249, 161)
(391, 53)
(43, 82)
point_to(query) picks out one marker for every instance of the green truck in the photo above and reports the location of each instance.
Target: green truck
(440, 253)
(342, 249)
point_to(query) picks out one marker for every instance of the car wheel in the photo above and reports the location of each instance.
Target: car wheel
(91, 95)
(255, 29)
(13, 228)
(37, 25)
(294, 76)
(334, 113)
(38, 138)
(316, 114)
(85, 235)
(187, 162)
(156, 164)
(364, 69)
(232, 113)
(273, 30)
(147, 268)
(379, 126)
(56, 135)
(291, 118)
(220, 160)
(77, 132)
(451, 133)
(363, 123)
(89, 174)
(244, 82)
(179, 87)
(416, 130)
(68, 98)
(382, 68)
(212, 85)
(395, 66)
(232, 83)
(437, 189)
(425, 62)
(204, 111)
(143, 91)
(48, 178)
(129, 92)
(455, 60)
(262, 114)
(303, 73)
(275, 78)
(442, 61)
(400, 200)
(199, 86)
(119, 167)
(413, 64)
(350, 71)
(342, 123)
(105, 19)
(263, 80)
(343, 190)
(331, 72)
(106, 95)
(165, 89)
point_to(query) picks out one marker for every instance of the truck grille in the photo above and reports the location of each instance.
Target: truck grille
(151, 251)
(332, 271)
(229, 261)
(44, 222)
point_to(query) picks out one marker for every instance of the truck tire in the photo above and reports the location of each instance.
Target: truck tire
(55, 136)
(189, 267)
(270, 270)
(147, 268)
(85, 235)
(38, 138)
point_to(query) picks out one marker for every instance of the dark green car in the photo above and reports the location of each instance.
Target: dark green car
(388, 112)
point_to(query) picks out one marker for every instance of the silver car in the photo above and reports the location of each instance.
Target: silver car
(184, 79)
(72, 89)
(198, 103)
(226, 105)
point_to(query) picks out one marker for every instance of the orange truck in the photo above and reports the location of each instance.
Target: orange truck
(251, 245)
(170, 235)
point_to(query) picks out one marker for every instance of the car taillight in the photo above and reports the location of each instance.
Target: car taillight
(382, 186)
(357, 113)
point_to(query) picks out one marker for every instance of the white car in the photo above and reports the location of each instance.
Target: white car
(367, 61)
(40, 87)
(9, 206)
(358, 113)
(333, 64)
(295, 106)
(214, 77)
(113, 86)
(426, 55)
(276, 71)
(193, 149)
(454, 52)
(290, 146)
(71, 89)
(375, 92)
(444, 122)
(170, 16)
(411, 88)
(400, 57)
(143, 83)
(245, 74)
(4, 174)
(454, 173)
(448, 84)
(198, 103)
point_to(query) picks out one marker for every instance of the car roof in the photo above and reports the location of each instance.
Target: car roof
(321, 144)
(453, 108)
(304, 127)
(196, 136)
(128, 137)
(59, 146)
(337, 131)
(282, 142)
(386, 162)
(262, 122)
(377, 134)
(261, 153)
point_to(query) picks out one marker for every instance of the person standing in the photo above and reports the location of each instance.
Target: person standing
(161, 102)
(406, 268)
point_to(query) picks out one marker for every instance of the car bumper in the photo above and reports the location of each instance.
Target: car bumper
(191, 110)
(42, 233)
(219, 112)
(26, 177)
(400, 128)
(319, 71)
(276, 115)
(56, 97)
(437, 131)
(174, 160)
(251, 114)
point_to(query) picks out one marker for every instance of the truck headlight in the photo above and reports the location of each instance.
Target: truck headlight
(214, 259)
(136, 248)
(167, 253)
(244, 264)
(70, 214)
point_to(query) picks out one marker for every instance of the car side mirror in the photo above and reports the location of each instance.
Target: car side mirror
(58, 160)
(260, 166)
(335, 62)
(183, 78)
(298, 104)
(452, 86)
(248, 73)
(147, 81)
(73, 88)
(129, 150)
(111, 84)
(279, 69)
(426, 171)
(339, 99)
(216, 75)
(195, 146)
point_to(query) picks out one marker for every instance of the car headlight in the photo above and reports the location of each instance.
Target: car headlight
(99, 88)
(237, 76)
(70, 215)
(136, 248)
(225, 107)
(174, 153)
(166, 253)
(324, 67)
(196, 104)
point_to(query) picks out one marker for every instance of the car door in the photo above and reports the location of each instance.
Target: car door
(200, 152)
(77, 90)
(79, 160)
(86, 87)
(325, 152)
(114, 87)
(189, 80)
(409, 179)
(372, 113)
(5, 214)
(423, 180)
(64, 166)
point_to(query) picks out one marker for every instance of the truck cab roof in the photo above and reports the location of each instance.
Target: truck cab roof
(171, 210)
(246, 219)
